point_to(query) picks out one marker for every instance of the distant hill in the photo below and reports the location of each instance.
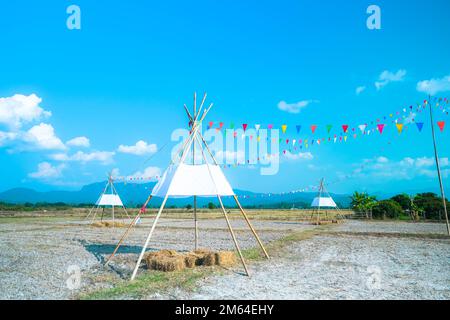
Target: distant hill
(135, 194)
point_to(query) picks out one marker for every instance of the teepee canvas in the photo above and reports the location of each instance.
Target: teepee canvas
(108, 199)
(182, 179)
(323, 201)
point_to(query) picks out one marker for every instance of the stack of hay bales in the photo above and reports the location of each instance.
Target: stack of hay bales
(170, 260)
(108, 224)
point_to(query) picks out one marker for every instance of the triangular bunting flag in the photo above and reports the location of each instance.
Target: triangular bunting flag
(283, 128)
(313, 128)
(362, 127)
(257, 126)
(345, 127)
(441, 125)
(419, 126)
(329, 126)
(399, 127)
(244, 126)
(380, 127)
(298, 127)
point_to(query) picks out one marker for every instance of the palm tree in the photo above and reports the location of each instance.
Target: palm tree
(362, 202)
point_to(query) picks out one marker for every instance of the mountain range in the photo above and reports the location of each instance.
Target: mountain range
(135, 194)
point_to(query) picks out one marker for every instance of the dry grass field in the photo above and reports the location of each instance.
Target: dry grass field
(355, 259)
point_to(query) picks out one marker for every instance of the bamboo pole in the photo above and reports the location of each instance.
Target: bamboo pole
(251, 227)
(233, 236)
(438, 165)
(131, 225)
(183, 157)
(193, 163)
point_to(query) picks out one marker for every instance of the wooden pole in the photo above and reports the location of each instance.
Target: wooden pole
(193, 163)
(132, 224)
(251, 227)
(438, 165)
(320, 195)
(149, 237)
(233, 236)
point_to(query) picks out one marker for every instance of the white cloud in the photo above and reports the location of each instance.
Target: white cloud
(386, 77)
(104, 157)
(294, 107)
(79, 142)
(6, 137)
(298, 156)
(360, 89)
(382, 159)
(149, 172)
(46, 171)
(20, 109)
(434, 86)
(43, 136)
(140, 148)
(404, 169)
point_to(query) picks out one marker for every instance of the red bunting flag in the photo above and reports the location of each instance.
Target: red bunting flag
(380, 127)
(244, 126)
(210, 124)
(441, 125)
(313, 128)
(345, 127)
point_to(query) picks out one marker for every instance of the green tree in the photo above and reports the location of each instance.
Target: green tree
(430, 205)
(403, 200)
(387, 209)
(211, 206)
(362, 202)
(189, 207)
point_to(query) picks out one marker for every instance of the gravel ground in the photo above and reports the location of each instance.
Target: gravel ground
(35, 257)
(344, 267)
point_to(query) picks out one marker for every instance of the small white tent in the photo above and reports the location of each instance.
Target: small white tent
(194, 179)
(326, 202)
(108, 198)
(323, 200)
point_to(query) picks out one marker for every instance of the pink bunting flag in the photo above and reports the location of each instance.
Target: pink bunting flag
(380, 127)
(441, 125)
(210, 124)
(244, 126)
(313, 128)
(270, 126)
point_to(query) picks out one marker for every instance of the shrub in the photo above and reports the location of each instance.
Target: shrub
(387, 209)
(430, 204)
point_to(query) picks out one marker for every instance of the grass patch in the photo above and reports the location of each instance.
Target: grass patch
(150, 282)
(276, 247)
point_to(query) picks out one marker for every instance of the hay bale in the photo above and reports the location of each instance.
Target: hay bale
(225, 258)
(190, 260)
(209, 259)
(97, 224)
(201, 256)
(168, 264)
(165, 260)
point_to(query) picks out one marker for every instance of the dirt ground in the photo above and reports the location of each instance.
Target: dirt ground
(355, 260)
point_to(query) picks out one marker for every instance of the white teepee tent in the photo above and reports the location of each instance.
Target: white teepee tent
(323, 200)
(108, 198)
(197, 180)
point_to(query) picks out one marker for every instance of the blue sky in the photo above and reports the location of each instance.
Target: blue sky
(125, 76)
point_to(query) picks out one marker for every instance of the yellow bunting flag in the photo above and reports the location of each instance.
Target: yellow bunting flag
(399, 127)
(283, 128)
